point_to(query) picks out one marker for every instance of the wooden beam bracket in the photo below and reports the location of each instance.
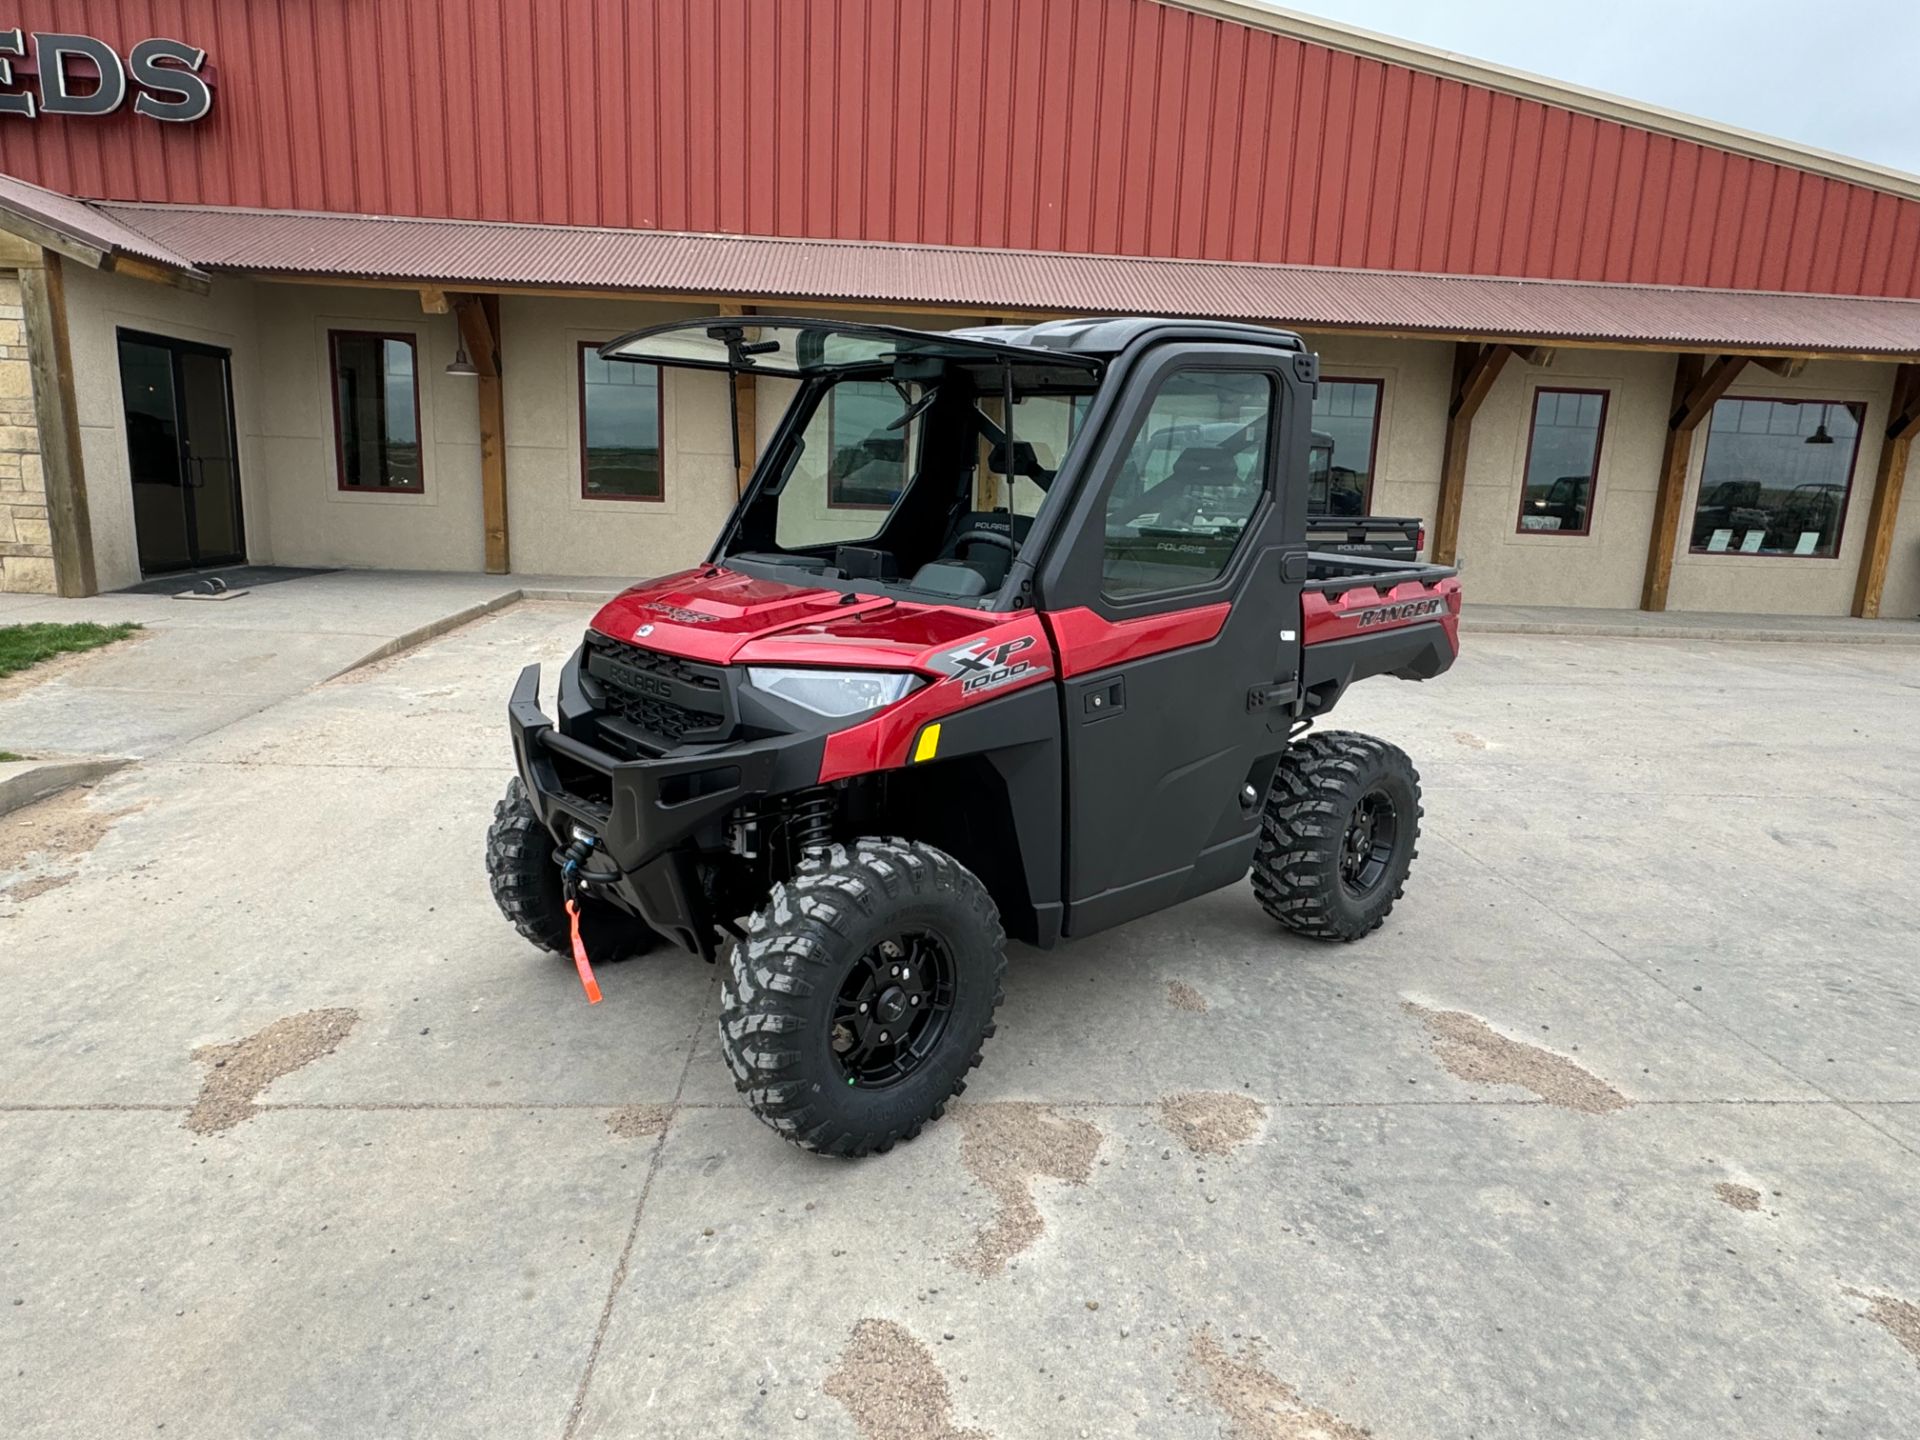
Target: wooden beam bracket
(1475, 368)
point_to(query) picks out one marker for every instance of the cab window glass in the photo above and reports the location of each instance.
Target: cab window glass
(1190, 483)
(855, 453)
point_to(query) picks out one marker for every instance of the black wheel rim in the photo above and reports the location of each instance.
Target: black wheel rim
(1367, 850)
(892, 1009)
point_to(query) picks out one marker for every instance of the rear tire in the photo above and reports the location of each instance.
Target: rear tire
(822, 1017)
(526, 886)
(1338, 836)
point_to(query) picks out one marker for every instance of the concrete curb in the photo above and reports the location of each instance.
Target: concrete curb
(25, 782)
(432, 630)
(1687, 632)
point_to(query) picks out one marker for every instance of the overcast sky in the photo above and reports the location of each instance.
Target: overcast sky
(1842, 74)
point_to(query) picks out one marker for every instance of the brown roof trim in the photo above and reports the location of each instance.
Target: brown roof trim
(1597, 103)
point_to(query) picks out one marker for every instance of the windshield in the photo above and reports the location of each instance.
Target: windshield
(918, 483)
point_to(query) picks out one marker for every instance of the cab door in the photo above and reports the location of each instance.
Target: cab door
(1173, 597)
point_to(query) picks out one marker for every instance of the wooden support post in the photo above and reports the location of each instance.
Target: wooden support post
(1696, 388)
(1903, 421)
(1475, 368)
(43, 306)
(479, 317)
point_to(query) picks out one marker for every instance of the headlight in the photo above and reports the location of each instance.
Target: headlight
(832, 692)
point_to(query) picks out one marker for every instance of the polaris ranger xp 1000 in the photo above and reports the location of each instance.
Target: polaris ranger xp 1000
(1014, 631)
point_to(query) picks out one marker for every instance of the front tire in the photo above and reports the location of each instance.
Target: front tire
(526, 886)
(1338, 836)
(861, 995)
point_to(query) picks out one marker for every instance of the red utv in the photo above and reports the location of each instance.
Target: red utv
(981, 651)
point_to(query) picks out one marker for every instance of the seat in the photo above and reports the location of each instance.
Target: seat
(992, 561)
(1203, 478)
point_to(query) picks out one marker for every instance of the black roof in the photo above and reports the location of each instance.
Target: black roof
(1109, 335)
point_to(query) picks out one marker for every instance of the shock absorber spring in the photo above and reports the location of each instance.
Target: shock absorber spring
(810, 822)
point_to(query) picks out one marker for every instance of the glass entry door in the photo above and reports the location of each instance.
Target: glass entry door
(181, 453)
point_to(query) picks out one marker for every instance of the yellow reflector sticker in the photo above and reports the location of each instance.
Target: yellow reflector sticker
(928, 743)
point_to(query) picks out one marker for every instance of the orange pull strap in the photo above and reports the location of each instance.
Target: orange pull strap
(580, 961)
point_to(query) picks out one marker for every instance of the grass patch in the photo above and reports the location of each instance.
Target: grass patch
(24, 645)
(7, 756)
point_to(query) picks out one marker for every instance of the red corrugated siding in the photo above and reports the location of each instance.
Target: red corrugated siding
(1106, 126)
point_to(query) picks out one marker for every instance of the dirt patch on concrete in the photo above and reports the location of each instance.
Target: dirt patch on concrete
(1471, 740)
(1183, 996)
(238, 1071)
(1740, 1197)
(1009, 1146)
(1899, 1318)
(23, 890)
(63, 826)
(638, 1122)
(893, 1388)
(1474, 1051)
(1212, 1122)
(1257, 1404)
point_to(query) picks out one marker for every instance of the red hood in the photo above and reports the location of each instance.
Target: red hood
(724, 617)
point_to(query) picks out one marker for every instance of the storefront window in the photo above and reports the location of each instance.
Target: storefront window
(1563, 462)
(1776, 477)
(620, 447)
(376, 407)
(867, 465)
(1348, 413)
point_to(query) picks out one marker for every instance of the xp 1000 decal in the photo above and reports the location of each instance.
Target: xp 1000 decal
(981, 666)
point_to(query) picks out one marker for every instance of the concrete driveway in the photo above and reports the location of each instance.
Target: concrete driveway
(1614, 1130)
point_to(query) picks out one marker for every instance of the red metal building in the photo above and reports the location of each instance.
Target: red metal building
(1012, 157)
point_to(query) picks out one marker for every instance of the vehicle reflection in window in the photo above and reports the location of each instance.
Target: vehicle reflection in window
(1190, 483)
(1563, 457)
(1346, 414)
(1776, 477)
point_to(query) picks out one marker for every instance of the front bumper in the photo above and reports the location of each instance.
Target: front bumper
(652, 817)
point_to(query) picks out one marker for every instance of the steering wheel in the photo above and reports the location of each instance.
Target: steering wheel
(985, 537)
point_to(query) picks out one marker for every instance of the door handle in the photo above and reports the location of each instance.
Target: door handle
(1293, 566)
(1097, 702)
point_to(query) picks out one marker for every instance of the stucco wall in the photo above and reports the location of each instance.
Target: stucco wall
(1413, 413)
(98, 306)
(1504, 565)
(295, 513)
(314, 522)
(554, 530)
(1786, 584)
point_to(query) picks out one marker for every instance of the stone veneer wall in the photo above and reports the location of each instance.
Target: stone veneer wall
(26, 545)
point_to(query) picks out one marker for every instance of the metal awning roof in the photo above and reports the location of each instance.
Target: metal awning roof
(82, 231)
(453, 253)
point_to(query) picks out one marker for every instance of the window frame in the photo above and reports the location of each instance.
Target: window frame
(1379, 383)
(340, 485)
(1599, 448)
(1846, 493)
(906, 461)
(660, 410)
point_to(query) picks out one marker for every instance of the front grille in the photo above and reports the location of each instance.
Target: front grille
(669, 698)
